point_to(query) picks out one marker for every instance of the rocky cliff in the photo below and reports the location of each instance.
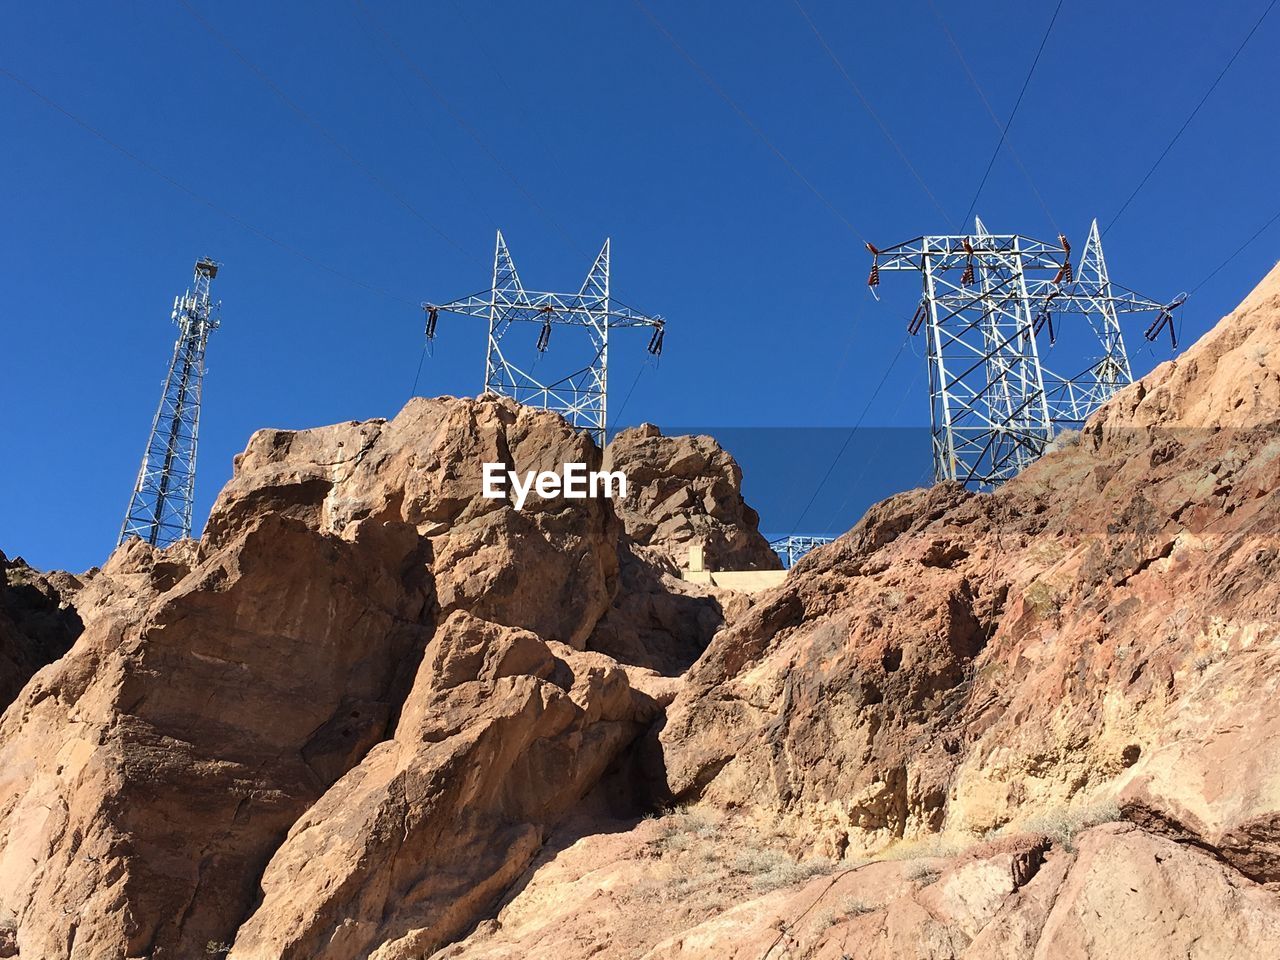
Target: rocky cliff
(38, 622)
(371, 714)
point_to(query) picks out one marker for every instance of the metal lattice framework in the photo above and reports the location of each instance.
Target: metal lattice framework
(581, 395)
(161, 506)
(994, 405)
(791, 549)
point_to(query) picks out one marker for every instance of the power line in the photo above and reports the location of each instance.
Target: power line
(198, 197)
(1239, 250)
(746, 118)
(1003, 128)
(1004, 131)
(426, 125)
(1191, 116)
(868, 460)
(464, 125)
(634, 383)
(866, 103)
(522, 103)
(853, 430)
(373, 176)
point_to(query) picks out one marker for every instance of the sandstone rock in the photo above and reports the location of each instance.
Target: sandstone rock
(149, 774)
(968, 662)
(550, 568)
(499, 737)
(685, 490)
(38, 622)
(260, 684)
(1149, 897)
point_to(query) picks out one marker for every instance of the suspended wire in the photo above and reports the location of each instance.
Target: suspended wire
(1191, 116)
(1239, 250)
(866, 103)
(746, 118)
(867, 461)
(634, 383)
(466, 127)
(373, 176)
(1003, 128)
(413, 391)
(849, 439)
(426, 125)
(534, 128)
(200, 198)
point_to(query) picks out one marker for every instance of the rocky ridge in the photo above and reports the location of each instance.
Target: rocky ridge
(371, 714)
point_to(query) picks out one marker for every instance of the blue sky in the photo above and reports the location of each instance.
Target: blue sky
(578, 120)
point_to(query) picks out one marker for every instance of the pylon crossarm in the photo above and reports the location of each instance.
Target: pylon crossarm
(581, 396)
(955, 252)
(575, 309)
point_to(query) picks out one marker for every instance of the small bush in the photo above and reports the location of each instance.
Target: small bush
(215, 949)
(923, 874)
(846, 909)
(1065, 824)
(772, 869)
(931, 845)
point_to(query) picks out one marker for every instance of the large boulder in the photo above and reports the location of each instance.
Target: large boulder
(687, 490)
(500, 736)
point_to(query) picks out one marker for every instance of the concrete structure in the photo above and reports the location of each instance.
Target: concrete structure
(743, 581)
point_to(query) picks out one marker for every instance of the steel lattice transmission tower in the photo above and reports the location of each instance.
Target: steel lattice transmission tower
(581, 395)
(986, 301)
(161, 506)
(791, 548)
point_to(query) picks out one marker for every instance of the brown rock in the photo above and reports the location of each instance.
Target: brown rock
(686, 490)
(500, 736)
(550, 568)
(968, 662)
(150, 773)
(38, 621)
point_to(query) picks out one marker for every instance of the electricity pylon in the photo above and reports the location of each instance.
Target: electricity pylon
(994, 406)
(790, 549)
(580, 396)
(161, 506)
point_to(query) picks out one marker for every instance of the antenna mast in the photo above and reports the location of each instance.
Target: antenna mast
(161, 506)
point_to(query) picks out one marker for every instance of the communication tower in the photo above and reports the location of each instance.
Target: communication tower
(161, 506)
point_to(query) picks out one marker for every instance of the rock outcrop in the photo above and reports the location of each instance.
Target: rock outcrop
(962, 661)
(373, 715)
(1034, 724)
(38, 621)
(342, 722)
(687, 490)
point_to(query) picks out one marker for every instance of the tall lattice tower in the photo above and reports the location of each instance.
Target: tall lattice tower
(988, 303)
(161, 506)
(578, 389)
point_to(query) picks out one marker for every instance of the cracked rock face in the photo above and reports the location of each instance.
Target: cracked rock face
(372, 715)
(341, 723)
